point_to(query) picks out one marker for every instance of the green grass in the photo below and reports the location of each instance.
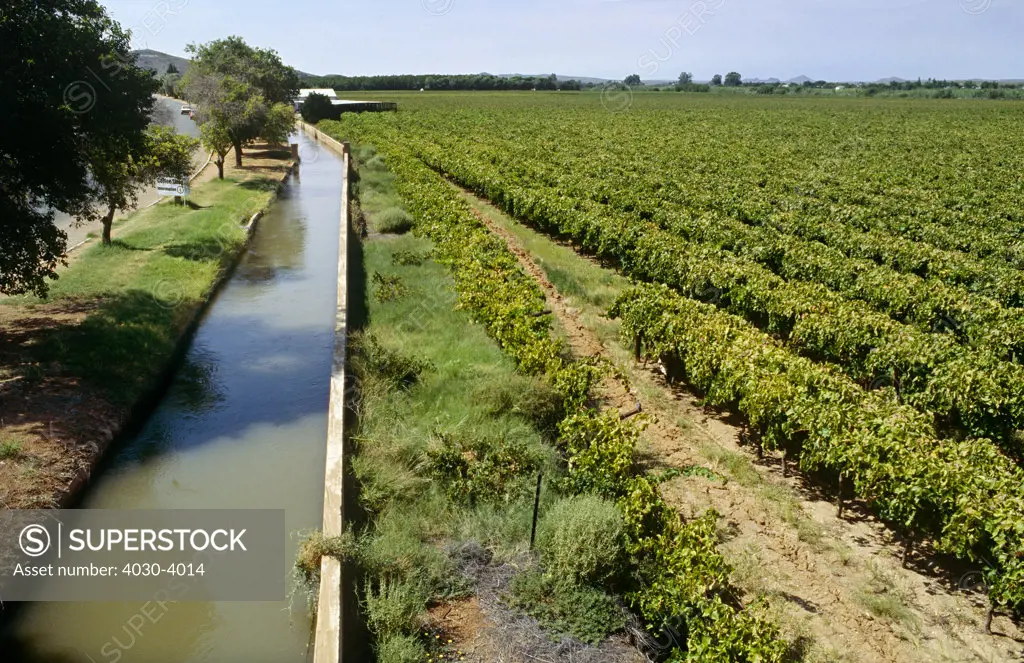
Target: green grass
(571, 274)
(143, 289)
(427, 374)
(10, 449)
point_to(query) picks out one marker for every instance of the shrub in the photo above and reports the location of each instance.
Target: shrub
(580, 540)
(585, 613)
(388, 287)
(394, 368)
(401, 649)
(391, 608)
(10, 449)
(483, 469)
(393, 220)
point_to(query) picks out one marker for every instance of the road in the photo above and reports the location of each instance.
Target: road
(166, 111)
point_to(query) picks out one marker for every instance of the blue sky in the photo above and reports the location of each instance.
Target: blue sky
(829, 39)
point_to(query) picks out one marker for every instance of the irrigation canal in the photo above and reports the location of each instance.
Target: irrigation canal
(242, 427)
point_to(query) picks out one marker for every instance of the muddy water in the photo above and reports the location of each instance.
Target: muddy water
(243, 426)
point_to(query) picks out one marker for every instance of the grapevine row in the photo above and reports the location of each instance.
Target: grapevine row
(961, 388)
(866, 207)
(681, 573)
(931, 304)
(963, 493)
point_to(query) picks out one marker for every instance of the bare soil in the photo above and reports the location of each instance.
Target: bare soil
(836, 585)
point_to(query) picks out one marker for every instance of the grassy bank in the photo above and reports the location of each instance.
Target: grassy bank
(74, 365)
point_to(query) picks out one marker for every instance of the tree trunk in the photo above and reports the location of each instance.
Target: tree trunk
(108, 223)
(220, 167)
(238, 155)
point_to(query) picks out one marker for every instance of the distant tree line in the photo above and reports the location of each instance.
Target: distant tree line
(440, 82)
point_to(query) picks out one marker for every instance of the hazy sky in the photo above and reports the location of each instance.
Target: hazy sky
(829, 39)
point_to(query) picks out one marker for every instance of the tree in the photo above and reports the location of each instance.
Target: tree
(169, 153)
(633, 80)
(733, 79)
(279, 124)
(685, 78)
(216, 138)
(70, 82)
(169, 84)
(316, 107)
(171, 69)
(121, 170)
(716, 79)
(247, 81)
(236, 109)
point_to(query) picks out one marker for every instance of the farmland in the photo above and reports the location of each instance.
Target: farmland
(846, 275)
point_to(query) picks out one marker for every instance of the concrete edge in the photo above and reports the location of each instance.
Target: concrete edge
(321, 137)
(328, 636)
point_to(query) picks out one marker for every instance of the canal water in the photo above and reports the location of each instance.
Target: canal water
(243, 426)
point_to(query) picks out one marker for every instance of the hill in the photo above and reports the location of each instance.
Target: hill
(158, 62)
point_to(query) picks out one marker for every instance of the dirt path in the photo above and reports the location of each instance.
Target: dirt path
(836, 586)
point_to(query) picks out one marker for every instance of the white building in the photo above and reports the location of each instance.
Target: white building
(304, 94)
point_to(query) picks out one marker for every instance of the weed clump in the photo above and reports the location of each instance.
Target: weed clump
(391, 607)
(393, 220)
(584, 612)
(482, 469)
(406, 258)
(389, 287)
(10, 449)
(401, 649)
(532, 398)
(317, 546)
(389, 366)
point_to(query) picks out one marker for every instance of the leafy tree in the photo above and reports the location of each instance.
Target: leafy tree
(685, 78)
(120, 170)
(716, 79)
(171, 69)
(733, 79)
(316, 107)
(238, 85)
(216, 138)
(633, 80)
(169, 153)
(169, 84)
(236, 109)
(279, 123)
(70, 84)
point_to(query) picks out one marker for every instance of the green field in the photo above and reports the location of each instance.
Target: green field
(845, 273)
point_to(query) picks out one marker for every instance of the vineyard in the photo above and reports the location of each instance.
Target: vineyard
(848, 276)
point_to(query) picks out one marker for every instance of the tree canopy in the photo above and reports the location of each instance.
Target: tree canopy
(633, 80)
(733, 79)
(316, 107)
(70, 88)
(716, 79)
(241, 89)
(685, 78)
